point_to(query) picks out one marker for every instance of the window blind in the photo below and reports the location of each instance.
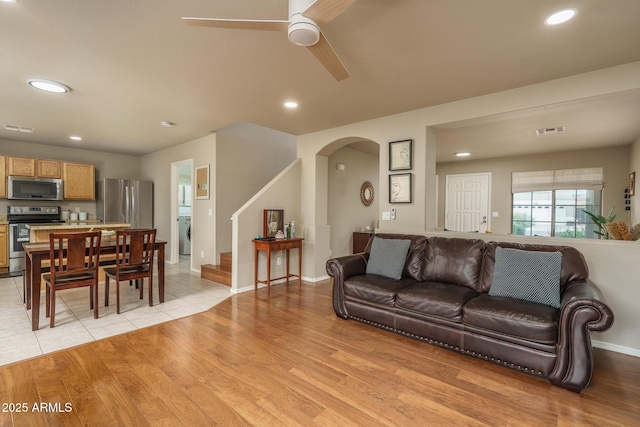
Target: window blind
(561, 179)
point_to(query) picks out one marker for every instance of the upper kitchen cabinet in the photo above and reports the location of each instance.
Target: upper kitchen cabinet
(21, 166)
(3, 178)
(79, 181)
(49, 168)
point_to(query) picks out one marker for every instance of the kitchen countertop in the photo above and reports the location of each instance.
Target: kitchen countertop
(64, 225)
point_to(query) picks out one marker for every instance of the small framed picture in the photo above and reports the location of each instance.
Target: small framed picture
(202, 182)
(632, 184)
(273, 221)
(400, 155)
(400, 188)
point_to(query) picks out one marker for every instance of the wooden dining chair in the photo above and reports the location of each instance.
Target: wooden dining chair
(134, 261)
(74, 259)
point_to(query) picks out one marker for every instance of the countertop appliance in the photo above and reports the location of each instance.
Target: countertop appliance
(26, 188)
(184, 229)
(126, 200)
(18, 218)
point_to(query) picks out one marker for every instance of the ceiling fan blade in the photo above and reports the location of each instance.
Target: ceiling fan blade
(324, 11)
(328, 58)
(238, 24)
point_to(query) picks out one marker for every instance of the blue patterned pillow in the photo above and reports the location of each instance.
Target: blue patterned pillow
(387, 257)
(527, 275)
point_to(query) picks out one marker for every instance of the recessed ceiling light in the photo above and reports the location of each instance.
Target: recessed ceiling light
(168, 124)
(560, 16)
(291, 104)
(9, 1)
(48, 85)
(76, 138)
(463, 154)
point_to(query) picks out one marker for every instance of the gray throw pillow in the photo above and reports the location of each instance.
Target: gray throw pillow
(387, 257)
(527, 275)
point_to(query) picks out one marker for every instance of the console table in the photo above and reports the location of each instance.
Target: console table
(269, 246)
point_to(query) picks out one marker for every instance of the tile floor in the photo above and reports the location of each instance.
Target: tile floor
(185, 294)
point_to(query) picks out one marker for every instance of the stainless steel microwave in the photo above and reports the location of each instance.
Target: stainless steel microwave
(25, 188)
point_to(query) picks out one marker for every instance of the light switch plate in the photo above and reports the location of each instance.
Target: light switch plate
(386, 216)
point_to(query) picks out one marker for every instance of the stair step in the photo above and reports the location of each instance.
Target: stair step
(225, 260)
(216, 273)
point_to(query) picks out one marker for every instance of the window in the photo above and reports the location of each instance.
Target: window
(552, 203)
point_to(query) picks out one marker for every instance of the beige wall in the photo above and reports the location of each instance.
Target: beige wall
(618, 280)
(346, 213)
(107, 165)
(156, 167)
(614, 160)
(282, 192)
(634, 166)
(248, 156)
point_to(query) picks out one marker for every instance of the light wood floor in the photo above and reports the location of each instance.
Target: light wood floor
(286, 359)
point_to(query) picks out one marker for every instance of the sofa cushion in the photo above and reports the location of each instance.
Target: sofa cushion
(415, 256)
(574, 267)
(435, 299)
(527, 275)
(374, 289)
(387, 257)
(454, 260)
(517, 318)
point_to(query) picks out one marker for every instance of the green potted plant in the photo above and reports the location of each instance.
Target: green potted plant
(601, 222)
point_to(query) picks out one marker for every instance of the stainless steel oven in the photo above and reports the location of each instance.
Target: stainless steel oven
(18, 218)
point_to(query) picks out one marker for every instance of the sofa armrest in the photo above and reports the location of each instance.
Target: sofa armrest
(341, 269)
(583, 309)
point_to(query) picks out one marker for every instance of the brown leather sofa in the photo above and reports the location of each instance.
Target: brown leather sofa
(443, 299)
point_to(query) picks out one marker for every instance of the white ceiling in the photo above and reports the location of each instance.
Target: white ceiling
(133, 64)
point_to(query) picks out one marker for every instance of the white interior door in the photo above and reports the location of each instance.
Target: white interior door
(467, 202)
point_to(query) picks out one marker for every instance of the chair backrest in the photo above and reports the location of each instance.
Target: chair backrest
(74, 252)
(135, 248)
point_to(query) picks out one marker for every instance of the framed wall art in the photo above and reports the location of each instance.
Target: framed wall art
(273, 221)
(400, 188)
(400, 155)
(202, 182)
(632, 184)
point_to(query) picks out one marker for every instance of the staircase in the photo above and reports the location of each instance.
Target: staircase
(218, 273)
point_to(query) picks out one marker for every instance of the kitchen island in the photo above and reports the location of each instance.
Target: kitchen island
(40, 232)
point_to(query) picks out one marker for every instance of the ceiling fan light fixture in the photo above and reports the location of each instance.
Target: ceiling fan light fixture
(303, 31)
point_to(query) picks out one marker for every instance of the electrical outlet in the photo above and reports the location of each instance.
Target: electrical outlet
(279, 261)
(201, 254)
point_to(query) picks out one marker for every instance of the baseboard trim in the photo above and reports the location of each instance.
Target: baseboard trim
(315, 279)
(616, 348)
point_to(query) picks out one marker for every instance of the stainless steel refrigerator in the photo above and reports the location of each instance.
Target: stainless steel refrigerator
(126, 201)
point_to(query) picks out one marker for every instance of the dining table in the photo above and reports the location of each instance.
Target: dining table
(37, 253)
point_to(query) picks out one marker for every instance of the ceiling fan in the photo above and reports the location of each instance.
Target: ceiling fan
(303, 28)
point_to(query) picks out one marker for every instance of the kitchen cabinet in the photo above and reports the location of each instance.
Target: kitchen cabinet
(48, 168)
(21, 166)
(4, 248)
(79, 181)
(3, 178)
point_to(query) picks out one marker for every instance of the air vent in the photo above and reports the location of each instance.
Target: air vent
(549, 131)
(19, 128)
